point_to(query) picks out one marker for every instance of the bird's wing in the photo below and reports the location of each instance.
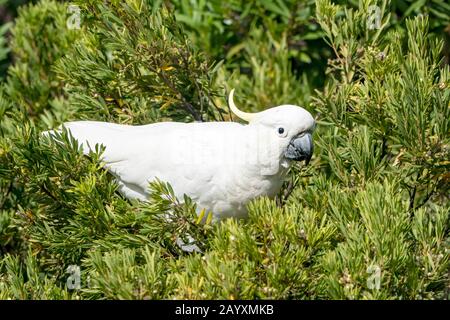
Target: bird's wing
(188, 156)
(132, 153)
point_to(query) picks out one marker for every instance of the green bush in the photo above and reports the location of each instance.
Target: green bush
(368, 219)
(31, 82)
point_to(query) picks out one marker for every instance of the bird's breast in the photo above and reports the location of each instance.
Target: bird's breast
(237, 190)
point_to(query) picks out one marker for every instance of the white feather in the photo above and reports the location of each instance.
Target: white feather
(220, 165)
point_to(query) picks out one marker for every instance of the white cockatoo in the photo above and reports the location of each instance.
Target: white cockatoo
(221, 166)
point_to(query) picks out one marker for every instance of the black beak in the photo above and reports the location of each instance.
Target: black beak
(300, 148)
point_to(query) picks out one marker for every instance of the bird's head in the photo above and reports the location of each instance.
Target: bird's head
(291, 127)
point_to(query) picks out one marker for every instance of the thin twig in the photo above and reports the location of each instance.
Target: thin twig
(412, 197)
(186, 104)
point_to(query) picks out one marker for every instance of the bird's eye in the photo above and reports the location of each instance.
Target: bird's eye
(282, 132)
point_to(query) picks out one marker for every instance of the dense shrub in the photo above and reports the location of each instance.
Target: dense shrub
(368, 219)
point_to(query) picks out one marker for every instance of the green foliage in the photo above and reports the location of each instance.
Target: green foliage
(408, 129)
(31, 83)
(25, 280)
(4, 50)
(8, 10)
(368, 219)
(268, 47)
(133, 61)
